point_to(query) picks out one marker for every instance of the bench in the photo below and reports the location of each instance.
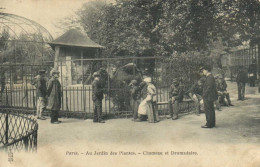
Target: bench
(187, 101)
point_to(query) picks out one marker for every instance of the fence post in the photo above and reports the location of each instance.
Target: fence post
(6, 97)
(25, 141)
(6, 129)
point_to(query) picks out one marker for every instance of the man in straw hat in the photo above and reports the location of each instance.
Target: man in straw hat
(41, 92)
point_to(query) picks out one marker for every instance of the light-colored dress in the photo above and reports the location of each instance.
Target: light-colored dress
(148, 105)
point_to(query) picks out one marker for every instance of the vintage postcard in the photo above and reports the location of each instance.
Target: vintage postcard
(144, 83)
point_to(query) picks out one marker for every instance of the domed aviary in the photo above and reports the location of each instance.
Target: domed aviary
(23, 41)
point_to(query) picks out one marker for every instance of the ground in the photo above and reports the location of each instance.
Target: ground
(234, 142)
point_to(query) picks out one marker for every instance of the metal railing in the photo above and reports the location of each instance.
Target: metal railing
(18, 130)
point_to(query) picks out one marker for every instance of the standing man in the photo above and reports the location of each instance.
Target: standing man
(97, 96)
(175, 95)
(41, 92)
(54, 96)
(209, 96)
(135, 98)
(252, 73)
(241, 82)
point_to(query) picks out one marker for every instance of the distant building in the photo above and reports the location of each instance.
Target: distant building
(70, 50)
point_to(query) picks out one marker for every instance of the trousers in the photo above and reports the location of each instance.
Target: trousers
(40, 106)
(241, 90)
(173, 106)
(210, 113)
(97, 110)
(54, 115)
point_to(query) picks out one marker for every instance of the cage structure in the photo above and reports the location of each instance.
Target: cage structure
(23, 49)
(23, 40)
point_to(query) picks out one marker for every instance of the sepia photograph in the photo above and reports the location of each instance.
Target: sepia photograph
(143, 83)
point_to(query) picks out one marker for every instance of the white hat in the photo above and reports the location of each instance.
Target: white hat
(148, 80)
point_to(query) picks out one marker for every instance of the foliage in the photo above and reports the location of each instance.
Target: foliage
(188, 68)
(157, 27)
(24, 49)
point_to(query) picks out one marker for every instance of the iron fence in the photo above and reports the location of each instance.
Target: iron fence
(76, 84)
(18, 130)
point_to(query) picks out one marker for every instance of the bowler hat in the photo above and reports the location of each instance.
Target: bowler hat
(41, 71)
(54, 71)
(96, 74)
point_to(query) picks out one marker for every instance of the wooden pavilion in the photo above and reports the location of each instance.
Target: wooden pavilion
(70, 50)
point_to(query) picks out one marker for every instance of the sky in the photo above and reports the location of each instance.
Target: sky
(45, 12)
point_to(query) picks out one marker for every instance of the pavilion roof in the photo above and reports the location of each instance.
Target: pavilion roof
(75, 38)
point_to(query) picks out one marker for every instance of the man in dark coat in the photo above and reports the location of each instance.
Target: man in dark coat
(252, 73)
(241, 83)
(54, 96)
(209, 96)
(41, 92)
(97, 96)
(176, 96)
(135, 98)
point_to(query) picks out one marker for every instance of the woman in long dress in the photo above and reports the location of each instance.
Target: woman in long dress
(148, 105)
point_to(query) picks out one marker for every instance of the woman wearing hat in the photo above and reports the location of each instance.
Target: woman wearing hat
(148, 105)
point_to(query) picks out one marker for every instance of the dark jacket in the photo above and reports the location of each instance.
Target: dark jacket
(176, 91)
(41, 87)
(196, 89)
(242, 76)
(54, 94)
(135, 92)
(209, 89)
(97, 90)
(221, 85)
(143, 89)
(252, 69)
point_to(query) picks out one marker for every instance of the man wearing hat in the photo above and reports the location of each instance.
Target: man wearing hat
(135, 98)
(209, 96)
(222, 90)
(41, 92)
(176, 96)
(195, 92)
(54, 96)
(97, 96)
(242, 79)
(252, 70)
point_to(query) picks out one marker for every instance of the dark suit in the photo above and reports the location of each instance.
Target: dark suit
(209, 96)
(252, 74)
(241, 83)
(97, 96)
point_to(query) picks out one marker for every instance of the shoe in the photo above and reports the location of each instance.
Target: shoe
(169, 117)
(55, 122)
(59, 121)
(138, 120)
(175, 117)
(41, 118)
(101, 121)
(205, 126)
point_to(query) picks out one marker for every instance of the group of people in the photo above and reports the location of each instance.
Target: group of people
(206, 92)
(48, 95)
